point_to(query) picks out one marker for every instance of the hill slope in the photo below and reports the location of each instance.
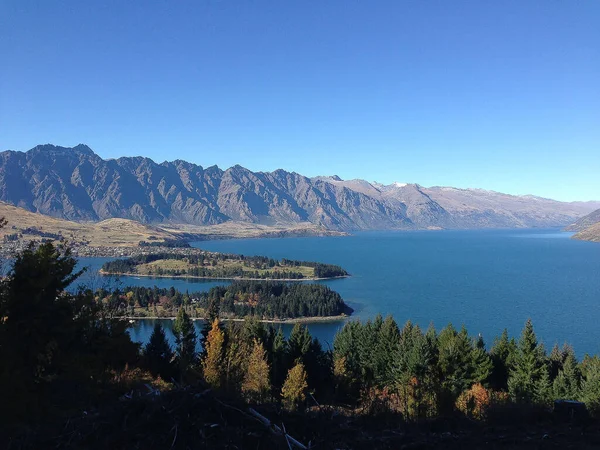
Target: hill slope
(585, 222)
(591, 233)
(78, 185)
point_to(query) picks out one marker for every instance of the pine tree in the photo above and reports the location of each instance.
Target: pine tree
(298, 343)
(158, 353)
(590, 384)
(503, 355)
(386, 352)
(293, 392)
(482, 363)
(528, 368)
(566, 384)
(256, 383)
(185, 338)
(277, 358)
(212, 364)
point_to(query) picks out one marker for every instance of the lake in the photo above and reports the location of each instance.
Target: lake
(484, 279)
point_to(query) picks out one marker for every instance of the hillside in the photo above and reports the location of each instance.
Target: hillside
(591, 233)
(585, 222)
(77, 185)
(110, 232)
(26, 226)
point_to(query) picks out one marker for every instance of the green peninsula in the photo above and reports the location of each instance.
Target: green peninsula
(191, 263)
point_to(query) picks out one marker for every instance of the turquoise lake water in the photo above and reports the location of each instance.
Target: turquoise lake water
(485, 279)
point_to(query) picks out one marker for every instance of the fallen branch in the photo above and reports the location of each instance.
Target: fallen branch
(276, 429)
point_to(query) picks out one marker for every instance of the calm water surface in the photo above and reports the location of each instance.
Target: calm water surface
(486, 280)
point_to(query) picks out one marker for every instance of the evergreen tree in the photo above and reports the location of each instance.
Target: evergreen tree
(299, 343)
(212, 364)
(456, 362)
(277, 355)
(543, 387)
(567, 383)
(185, 337)
(293, 392)
(256, 383)
(158, 353)
(590, 384)
(528, 373)
(503, 354)
(386, 352)
(52, 337)
(482, 363)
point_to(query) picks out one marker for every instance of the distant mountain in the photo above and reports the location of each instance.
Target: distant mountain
(76, 184)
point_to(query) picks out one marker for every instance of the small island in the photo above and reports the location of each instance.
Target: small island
(268, 301)
(221, 266)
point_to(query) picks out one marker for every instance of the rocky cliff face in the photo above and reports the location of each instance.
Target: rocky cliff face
(76, 184)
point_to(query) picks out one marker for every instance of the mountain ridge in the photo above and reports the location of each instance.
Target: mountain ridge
(77, 184)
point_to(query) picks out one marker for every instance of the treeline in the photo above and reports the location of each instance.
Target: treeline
(267, 300)
(171, 243)
(377, 366)
(207, 265)
(321, 270)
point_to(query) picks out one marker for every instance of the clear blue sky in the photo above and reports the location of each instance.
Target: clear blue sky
(501, 95)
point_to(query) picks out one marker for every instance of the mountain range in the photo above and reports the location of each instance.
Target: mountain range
(78, 185)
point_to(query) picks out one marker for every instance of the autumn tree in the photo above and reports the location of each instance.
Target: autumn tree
(212, 364)
(293, 392)
(256, 383)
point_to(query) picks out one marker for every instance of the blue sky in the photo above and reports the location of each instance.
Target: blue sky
(501, 95)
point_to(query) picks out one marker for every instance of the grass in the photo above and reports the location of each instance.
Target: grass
(173, 264)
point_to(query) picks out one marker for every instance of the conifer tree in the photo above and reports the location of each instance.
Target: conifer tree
(299, 342)
(590, 384)
(212, 364)
(567, 383)
(293, 392)
(528, 374)
(456, 361)
(503, 355)
(482, 363)
(277, 355)
(386, 352)
(185, 338)
(158, 353)
(256, 383)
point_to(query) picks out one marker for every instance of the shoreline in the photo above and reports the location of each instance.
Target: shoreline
(115, 274)
(312, 319)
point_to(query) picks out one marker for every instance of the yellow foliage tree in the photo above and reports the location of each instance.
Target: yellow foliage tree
(475, 401)
(293, 392)
(212, 363)
(256, 384)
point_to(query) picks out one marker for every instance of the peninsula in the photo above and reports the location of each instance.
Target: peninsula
(201, 264)
(276, 302)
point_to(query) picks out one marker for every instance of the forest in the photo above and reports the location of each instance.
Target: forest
(72, 378)
(262, 299)
(221, 265)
